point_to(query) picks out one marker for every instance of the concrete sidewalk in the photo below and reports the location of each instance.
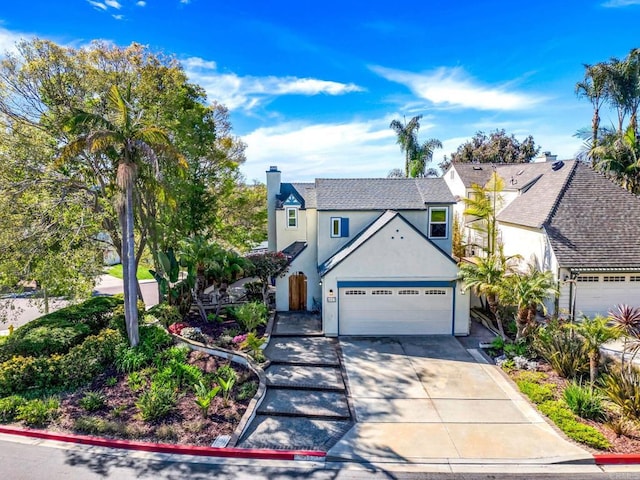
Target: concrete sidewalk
(429, 400)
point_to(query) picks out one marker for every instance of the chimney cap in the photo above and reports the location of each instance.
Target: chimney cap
(273, 168)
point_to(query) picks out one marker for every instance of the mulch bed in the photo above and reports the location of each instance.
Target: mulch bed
(213, 328)
(185, 425)
(619, 444)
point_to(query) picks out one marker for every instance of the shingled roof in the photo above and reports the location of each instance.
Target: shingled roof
(534, 205)
(381, 193)
(517, 176)
(595, 224)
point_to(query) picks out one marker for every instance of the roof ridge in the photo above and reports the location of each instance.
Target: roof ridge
(561, 194)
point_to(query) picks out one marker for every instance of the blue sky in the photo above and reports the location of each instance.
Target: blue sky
(313, 86)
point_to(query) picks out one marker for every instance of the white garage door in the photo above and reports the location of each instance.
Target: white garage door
(395, 311)
(599, 294)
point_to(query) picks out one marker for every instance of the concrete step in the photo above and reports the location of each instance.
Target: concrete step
(296, 433)
(319, 351)
(307, 403)
(304, 377)
(298, 324)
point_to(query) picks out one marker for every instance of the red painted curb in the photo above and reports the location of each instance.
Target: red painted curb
(617, 459)
(167, 448)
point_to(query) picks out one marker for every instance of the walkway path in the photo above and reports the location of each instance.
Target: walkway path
(305, 406)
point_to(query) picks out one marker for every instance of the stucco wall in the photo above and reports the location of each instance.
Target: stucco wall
(396, 253)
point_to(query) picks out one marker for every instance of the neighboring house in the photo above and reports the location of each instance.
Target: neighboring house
(569, 220)
(374, 254)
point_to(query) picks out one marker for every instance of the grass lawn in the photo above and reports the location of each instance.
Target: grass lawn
(143, 272)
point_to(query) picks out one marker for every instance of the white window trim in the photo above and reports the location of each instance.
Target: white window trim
(286, 214)
(446, 223)
(334, 220)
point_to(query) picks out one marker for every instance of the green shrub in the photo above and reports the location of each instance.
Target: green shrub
(92, 401)
(178, 353)
(537, 393)
(79, 366)
(157, 402)
(584, 401)
(563, 350)
(253, 343)
(227, 372)
(166, 314)
(254, 291)
(251, 315)
(9, 407)
(178, 375)
(57, 332)
(130, 359)
(154, 339)
(247, 390)
(623, 389)
(519, 348)
(566, 421)
(136, 381)
(38, 412)
(111, 382)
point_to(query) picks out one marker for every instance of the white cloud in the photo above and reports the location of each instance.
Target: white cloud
(113, 4)
(453, 87)
(8, 40)
(306, 151)
(185, 2)
(620, 3)
(247, 92)
(118, 17)
(141, 3)
(97, 5)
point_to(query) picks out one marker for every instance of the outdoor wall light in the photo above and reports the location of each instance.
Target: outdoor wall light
(330, 292)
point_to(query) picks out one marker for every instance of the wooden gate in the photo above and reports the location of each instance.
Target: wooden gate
(298, 291)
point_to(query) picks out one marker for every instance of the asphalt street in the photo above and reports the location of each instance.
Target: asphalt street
(25, 459)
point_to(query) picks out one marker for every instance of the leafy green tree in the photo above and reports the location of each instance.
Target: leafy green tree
(595, 333)
(121, 138)
(422, 156)
(497, 147)
(267, 265)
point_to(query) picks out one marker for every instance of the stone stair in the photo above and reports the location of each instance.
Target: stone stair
(306, 405)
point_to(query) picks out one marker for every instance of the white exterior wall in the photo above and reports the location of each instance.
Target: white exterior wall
(306, 262)
(359, 220)
(406, 257)
(530, 243)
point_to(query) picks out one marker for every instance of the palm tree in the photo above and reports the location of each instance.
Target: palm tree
(121, 138)
(593, 87)
(618, 157)
(422, 155)
(486, 276)
(407, 134)
(484, 203)
(528, 291)
(595, 333)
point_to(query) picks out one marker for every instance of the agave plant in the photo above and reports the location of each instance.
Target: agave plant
(626, 321)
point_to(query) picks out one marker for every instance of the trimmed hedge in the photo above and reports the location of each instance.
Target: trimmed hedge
(78, 367)
(61, 330)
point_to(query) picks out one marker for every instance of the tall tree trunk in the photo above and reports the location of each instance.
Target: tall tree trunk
(129, 270)
(594, 360)
(493, 307)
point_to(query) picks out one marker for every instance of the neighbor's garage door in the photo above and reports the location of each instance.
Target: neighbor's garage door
(395, 311)
(599, 294)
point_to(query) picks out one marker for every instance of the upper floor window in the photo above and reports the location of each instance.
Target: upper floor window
(339, 227)
(438, 218)
(292, 217)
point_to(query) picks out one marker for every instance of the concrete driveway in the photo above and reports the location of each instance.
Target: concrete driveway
(429, 400)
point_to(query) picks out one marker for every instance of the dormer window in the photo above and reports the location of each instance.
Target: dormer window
(292, 217)
(438, 219)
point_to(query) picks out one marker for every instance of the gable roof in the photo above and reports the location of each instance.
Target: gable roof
(303, 192)
(595, 224)
(381, 193)
(364, 236)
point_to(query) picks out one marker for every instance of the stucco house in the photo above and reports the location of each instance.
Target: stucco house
(373, 254)
(570, 220)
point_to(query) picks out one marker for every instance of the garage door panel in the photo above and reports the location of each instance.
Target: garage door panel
(597, 296)
(395, 311)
